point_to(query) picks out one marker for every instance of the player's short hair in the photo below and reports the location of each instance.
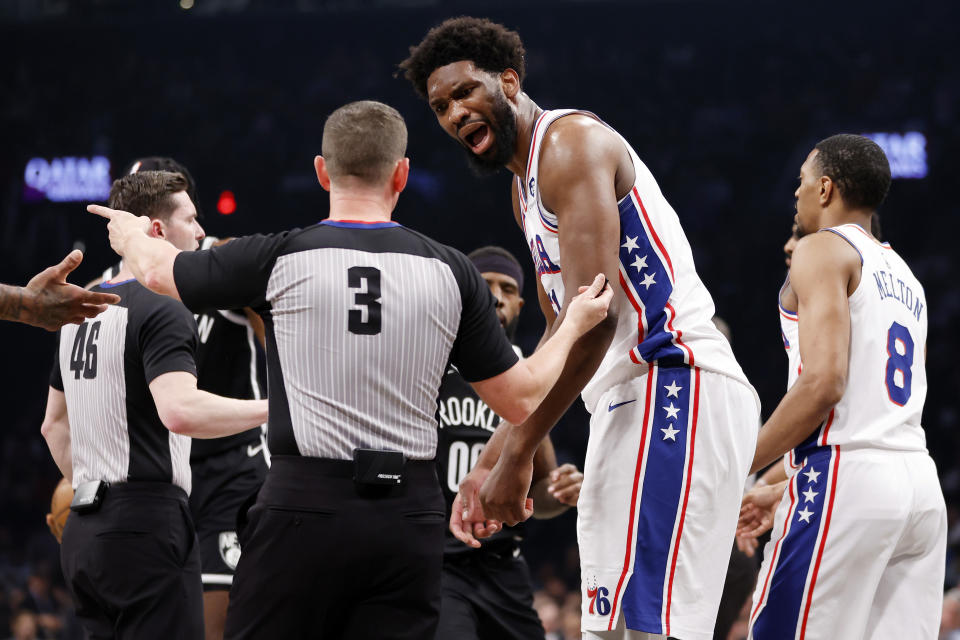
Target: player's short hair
(859, 168)
(364, 140)
(490, 46)
(147, 193)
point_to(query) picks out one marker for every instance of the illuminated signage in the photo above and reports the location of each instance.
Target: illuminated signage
(907, 153)
(68, 179)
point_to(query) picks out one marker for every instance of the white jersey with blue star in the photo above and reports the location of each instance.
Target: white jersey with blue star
(664, 309)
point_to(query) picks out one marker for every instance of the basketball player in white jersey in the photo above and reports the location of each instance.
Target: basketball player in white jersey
(674, 420)
(859, 536)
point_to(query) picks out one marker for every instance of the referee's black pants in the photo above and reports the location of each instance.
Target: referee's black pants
(133, 566)
(323, 558)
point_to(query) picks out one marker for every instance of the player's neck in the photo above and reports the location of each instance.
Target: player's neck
(360, 207)
(527, 115)
(846, 216)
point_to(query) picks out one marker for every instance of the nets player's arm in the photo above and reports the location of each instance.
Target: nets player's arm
(167, 339)
(824, 271)
(56, 424)
(49, 301)
(554, 489)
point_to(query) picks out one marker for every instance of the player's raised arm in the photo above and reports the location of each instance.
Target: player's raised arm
(824, 270)
(150, 259)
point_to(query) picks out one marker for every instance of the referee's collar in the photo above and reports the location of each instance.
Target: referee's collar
(359, 224)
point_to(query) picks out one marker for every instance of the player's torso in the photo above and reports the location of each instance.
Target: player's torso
(886, 382)
(227, 365)
(466, 424)
(663, 308)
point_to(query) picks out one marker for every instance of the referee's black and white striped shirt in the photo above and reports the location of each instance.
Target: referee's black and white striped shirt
(361, 320)
(104, 367)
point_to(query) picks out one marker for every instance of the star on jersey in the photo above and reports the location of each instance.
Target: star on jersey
(639, 263)
(812, 476)
(670, 433)
(805, 515)
(648, 280)
(672, 411)
(630, 244)
(810, 494)
(673, 390)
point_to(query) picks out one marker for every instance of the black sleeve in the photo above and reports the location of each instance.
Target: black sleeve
(481, 350)
(56, 378)
(167, 337)
(231, 276)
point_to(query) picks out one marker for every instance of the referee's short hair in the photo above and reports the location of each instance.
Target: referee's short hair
(364, 140)
(147, 193)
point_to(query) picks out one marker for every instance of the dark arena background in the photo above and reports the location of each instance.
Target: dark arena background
(722, 100)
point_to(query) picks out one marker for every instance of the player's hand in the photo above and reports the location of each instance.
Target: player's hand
(504, 493)
(756, 514)
(589, 306)
(466, 515)
(122, 226)
(50, 302)
(565, 483)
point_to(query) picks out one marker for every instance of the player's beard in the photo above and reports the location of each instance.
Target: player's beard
(503, 123)
(511, 329)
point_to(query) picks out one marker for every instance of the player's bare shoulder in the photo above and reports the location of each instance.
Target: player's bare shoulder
(577, 148)
(818, 254)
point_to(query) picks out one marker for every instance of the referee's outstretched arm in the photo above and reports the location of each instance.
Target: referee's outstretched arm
(517, 392)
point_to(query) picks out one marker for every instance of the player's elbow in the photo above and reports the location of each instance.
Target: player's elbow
(827, 388)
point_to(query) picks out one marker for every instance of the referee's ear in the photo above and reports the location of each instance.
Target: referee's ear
(320, 165)
(400, 174)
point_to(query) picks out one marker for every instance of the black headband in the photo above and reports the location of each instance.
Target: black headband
(498, 263)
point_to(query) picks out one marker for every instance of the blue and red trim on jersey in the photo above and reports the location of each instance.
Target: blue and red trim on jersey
(360, 224)
(665, 465)
(848, 240)
(110, 285)
(791, 579)
(657, 339)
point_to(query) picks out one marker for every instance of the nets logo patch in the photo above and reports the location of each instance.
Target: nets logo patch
(229, 548)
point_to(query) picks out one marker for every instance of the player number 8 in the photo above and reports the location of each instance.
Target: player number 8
(898, 338)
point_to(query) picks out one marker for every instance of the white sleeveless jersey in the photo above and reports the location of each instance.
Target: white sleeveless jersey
(887, 380)
(664, 310)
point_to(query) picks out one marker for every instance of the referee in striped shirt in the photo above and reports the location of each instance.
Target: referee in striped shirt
(362, 316)
(122, 406)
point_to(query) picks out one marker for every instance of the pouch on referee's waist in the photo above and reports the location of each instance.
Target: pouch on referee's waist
(378, 467)
(88, 496)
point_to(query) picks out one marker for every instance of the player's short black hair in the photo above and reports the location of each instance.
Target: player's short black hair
(859, 168)
(490, 46)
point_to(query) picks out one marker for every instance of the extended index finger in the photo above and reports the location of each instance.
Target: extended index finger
(102, 211)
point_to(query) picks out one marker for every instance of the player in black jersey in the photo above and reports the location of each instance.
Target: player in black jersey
(486, 591)
(226, 471)
(122, 407)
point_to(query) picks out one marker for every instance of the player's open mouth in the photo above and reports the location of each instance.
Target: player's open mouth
(477, 136)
